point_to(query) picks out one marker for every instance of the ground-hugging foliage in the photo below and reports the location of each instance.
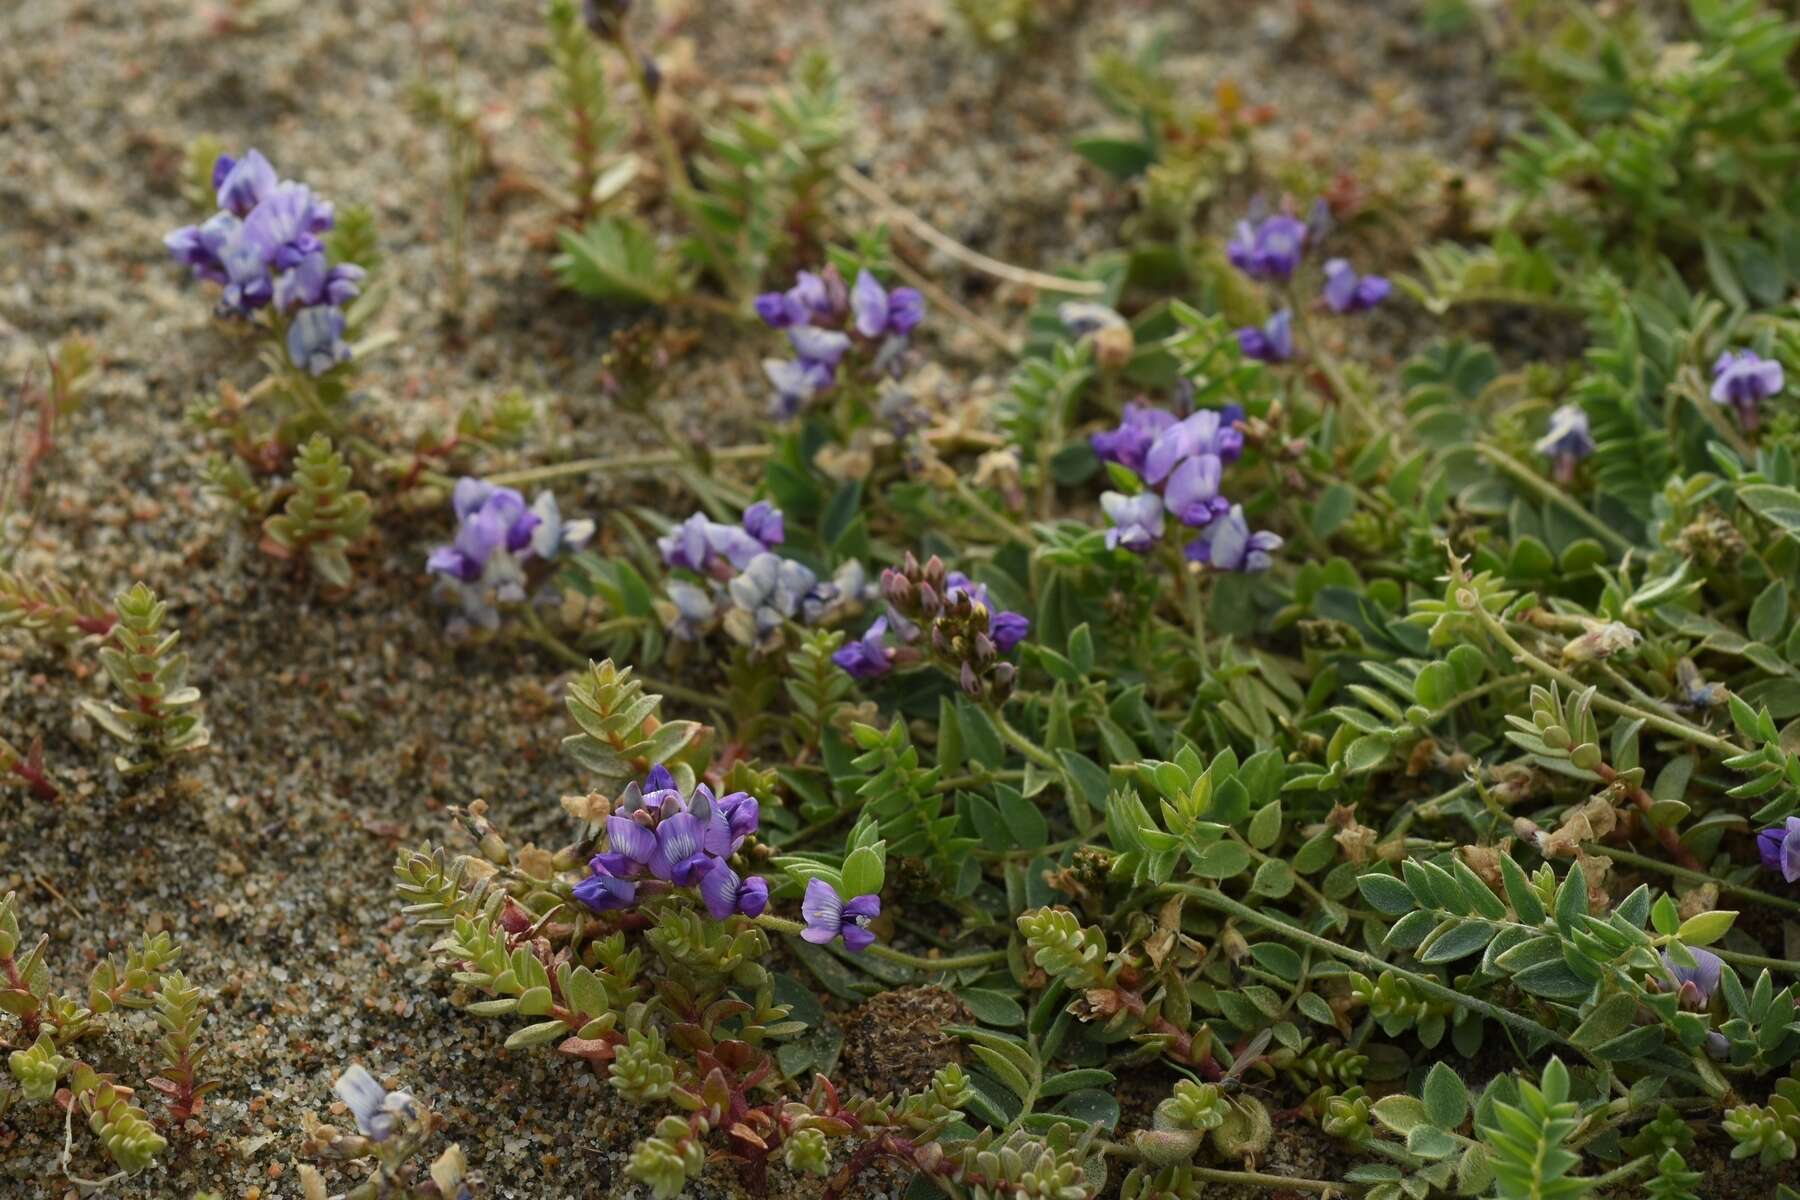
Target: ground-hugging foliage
(1404, 755)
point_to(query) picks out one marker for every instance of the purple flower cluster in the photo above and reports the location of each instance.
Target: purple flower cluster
(1567, 441)
(829, 916)
(1743, 380)
(496, 535)
(1268, 247)
(870, 657)
(748, 587)
(1779, 848)
(1183, 461)
(825, 321)
(262, 247)
(657, 838)
(1271, 248)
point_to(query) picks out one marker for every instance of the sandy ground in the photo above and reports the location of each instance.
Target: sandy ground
(343, 730)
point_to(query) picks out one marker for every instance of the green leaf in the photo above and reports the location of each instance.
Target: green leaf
(1768, 615)
(864, 872)
(1121, 158)
(1458, 942)
(1703, 929)
(1221, 860)
(1265, 826)
(1446, 1097)
(616, 258)
(992, 1008)
(1334, 507)
(1385, 894)
(1780, 505)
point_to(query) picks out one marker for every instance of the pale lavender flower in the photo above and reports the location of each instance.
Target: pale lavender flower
(704, 545)
(312, 282)
(248, 284)
(1272, 343)
(1228, 545)
(1200, 432)
(490, 520)
(725, 894)
(812, 299)
(694, 610)
(1696, 984)
(202, 247)
(878, 312)
(377, 1110)
(829, 916)
(825, 347)
(1743, 380)
(553, 535)
(285, 225)
(1269, 249)
(1137, 521)
(315, 339)
(1567, 441)
(796, 382)
(1779, 848)
(1348, 292)
(1192, 494)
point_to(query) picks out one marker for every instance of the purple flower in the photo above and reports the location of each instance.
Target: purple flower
(1779, 848)
(312, 282)
(1348, 292)
(796, 382)
(698, 544)
(285, 225)
(1567, 441)
(1137, 520)
(315, 339)
(1128, 444)
(1696, 984)
(1230, 546)
(493, 520)
(1743, 380)
(604, 892)
(878, 312)
(763, 522)
(1192, 494)
(376, 1109)
(202, 247)
(725, 894)
(680, 857)
(1008, 629)
(1270, 249)
(242, 183)
(1273, 343)
(867, 657)
(630, 847)
(248, 284)
(1200, 432)
(828, 916)
(813, 298)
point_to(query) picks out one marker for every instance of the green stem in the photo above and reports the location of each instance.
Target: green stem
(992, 515)
(1681, 729)
(1517, 1022)
(1024, 745)
(1784, 965)
(1644, 862)
(1529, 479)
(957, 962)
(1193, 602)
(652, 460)
(1129, 1153)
